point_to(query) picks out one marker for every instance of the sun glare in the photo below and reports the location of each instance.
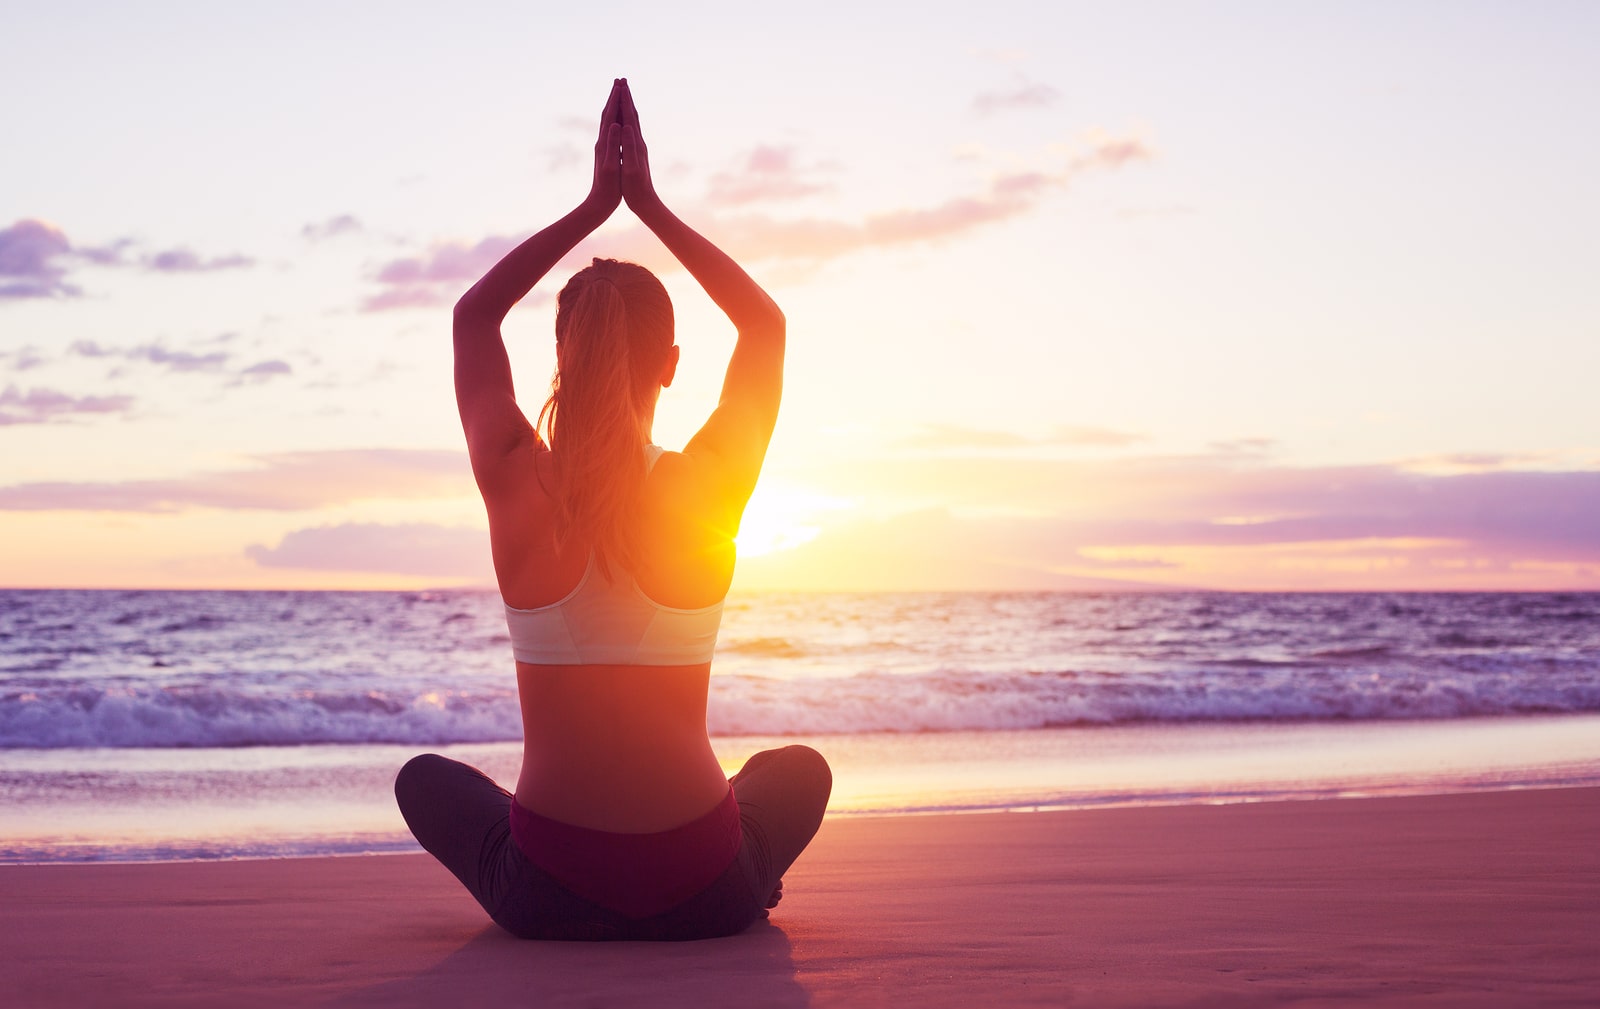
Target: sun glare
(782, 518)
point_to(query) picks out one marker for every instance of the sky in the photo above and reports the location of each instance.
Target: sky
(1262, 296)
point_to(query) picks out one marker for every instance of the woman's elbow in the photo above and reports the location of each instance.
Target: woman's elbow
(478, 307)
(469, 308)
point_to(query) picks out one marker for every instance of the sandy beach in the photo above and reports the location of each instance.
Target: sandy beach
(1488, 898)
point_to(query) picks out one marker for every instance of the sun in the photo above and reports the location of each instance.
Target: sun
(782, 518)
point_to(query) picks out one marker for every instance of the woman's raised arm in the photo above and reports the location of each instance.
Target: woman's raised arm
(735, 438)
(493, 423)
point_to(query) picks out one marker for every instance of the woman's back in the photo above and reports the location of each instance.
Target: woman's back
(618, 745)
(613, 559)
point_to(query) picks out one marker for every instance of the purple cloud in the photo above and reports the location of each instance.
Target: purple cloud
(263, 370)
(414, 549)
(185, 261)
(35, 256)
(1230, 501)
(439, 276)
(23, 358)
(151, 353)
(31, 254)
(287, 481)
(40, 406)
(1436, 530)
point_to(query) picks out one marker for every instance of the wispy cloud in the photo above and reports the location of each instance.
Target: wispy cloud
(1102, 150)
(948, 436)
(41, 406)
(1232, 500)
(263, 371)
(1203, 521)
(411, 549)
(205, 362)
(187, 261)
(288, 481)
(767, 173)
(156, 354)
(439, 275)
(35, 257)
(1106, 437)
(951, 436)
(22, 359)
(1026, 94)
(341, 224)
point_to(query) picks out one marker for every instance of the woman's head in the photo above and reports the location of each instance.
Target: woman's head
(614, 353)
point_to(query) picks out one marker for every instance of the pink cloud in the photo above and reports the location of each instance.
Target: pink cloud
(768, 173)
(407, 295)
(1113, 152)
(285, 481)
(1238, 501)
(1026, 95)
(412, 549)
(439, 276)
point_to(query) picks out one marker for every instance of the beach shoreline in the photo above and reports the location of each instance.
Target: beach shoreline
(133, 805)
(1483, 898)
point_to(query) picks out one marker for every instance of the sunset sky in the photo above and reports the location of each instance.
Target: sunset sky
(1230, 295)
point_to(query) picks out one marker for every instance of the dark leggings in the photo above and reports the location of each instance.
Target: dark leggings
(464, 820)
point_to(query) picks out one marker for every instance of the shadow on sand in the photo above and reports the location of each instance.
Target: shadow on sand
(752, 969)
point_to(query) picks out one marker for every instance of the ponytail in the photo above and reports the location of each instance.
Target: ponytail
(613, 328)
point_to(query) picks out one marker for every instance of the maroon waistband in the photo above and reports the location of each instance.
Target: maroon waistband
(639, 875)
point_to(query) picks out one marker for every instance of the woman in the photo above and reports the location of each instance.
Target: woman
(613, 558)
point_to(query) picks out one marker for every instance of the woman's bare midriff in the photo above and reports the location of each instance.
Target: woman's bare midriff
(617, 748)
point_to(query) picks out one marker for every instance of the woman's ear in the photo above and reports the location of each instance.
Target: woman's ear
(670, 369)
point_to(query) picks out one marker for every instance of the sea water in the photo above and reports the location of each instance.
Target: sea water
(159, 724)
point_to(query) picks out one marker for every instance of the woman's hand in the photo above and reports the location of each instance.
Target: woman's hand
(606, 191)
(637, 187)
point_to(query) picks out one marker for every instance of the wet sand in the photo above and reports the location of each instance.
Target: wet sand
(1480, 899)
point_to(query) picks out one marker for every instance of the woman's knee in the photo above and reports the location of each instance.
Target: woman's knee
(415, 777)
(794, 775)
(808, 765)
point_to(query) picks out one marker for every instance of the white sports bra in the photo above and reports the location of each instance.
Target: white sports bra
(613, 623)
(602, 622)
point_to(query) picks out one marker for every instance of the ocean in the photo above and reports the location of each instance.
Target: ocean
(139, 725)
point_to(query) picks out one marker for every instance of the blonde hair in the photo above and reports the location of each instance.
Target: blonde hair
(614, 328)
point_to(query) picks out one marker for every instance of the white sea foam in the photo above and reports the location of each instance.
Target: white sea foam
(751, 705)
(206, 669)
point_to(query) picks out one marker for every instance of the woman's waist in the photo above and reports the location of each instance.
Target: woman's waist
(616, 782)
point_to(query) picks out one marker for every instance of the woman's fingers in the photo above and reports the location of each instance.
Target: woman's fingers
(613, 110)
(630, 115)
